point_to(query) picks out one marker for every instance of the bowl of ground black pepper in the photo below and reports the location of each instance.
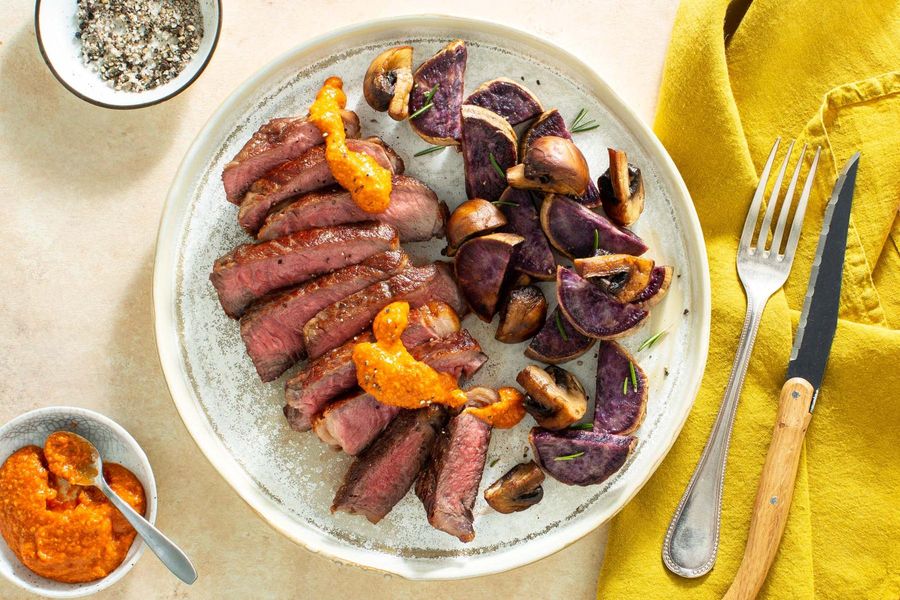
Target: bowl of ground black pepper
(127, 53)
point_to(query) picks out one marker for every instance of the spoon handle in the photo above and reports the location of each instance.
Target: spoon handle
(171, 555)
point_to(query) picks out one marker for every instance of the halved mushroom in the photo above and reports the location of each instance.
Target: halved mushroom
(660, 280)
(521, 315)
(592, 311)
(479, 397)
(472, 217)
(620, 275)
(576, 457)
(482, 264)
(621, 189)
(551, 164)
(509, 99)
(557, 341)
(552, 123)
(534, 257)
(553, 396)
(622, 391)
(519, 489)
(389, 80)
(579, 232)
(488, 148)
(437, 94)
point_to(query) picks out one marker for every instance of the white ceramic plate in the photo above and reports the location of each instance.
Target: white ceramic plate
(290, 478)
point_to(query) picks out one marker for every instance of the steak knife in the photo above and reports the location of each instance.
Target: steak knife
(812, 344)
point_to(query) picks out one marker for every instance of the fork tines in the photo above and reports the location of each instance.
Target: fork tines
(747, 244)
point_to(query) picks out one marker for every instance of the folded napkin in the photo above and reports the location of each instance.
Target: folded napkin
(819, 72)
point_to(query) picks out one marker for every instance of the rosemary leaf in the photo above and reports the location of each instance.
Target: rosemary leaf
(578, 117)
(625, 385)
(496, 166)
(503, 203)
(633, 376)
(430, 150)
(596, 240)
(495, 461)
(562, 330)
(569, 456)
(586, 127)
(581, 123)
(583, 426)
(428, 106)
(430, 93)
(648, 343)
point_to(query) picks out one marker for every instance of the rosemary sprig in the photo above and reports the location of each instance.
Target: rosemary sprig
(496, 166)
(559, 326)
(495, 461)
(648, 343)
(596, 240)
(569, 456)
(583, 426)
(428, 106)
(582, 123)
(430, 150)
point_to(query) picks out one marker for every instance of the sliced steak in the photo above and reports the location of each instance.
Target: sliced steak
(336, 324)
(277, 141)
(384, 472)
(352, 423)
(414, 211)
(272, 328)
(334, 373)
(449, 484)
(304, 174)
(251, 271)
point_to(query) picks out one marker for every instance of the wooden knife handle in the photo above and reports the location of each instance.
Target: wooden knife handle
(776, 489)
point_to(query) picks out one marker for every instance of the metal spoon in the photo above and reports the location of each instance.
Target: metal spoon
(171, 555)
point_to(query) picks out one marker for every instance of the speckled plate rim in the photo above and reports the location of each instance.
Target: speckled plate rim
(177, 208)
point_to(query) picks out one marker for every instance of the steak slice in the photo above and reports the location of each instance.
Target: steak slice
(334, 373)
(449, 484)
(414, 211)
(304, 174)
(272, 328)
(336, 324)
(353, 422)
(275, 142)
(251, 271)
(380, 476)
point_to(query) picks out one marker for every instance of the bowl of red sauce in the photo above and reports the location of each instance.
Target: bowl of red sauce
(61, 540)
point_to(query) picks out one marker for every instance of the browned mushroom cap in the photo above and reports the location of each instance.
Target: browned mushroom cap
(555, 397)
(551, 164)
(620, 275)
(521, 315)
(389, 80)
(472, 217)
(621, 189)
(519, 489)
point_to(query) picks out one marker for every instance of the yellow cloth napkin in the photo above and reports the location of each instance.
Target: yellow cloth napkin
(818, 71)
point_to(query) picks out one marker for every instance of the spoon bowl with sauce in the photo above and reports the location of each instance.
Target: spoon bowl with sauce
(76, 460)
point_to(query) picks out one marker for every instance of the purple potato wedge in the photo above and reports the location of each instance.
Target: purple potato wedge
(534, 257)
(579, 232)
(558, 341)
(512, 101)
(482, 265)
(619, 406)
(439, 82)
(576, 457)
(593, 312)
(488, 149)
(660, 280)
(552, 123)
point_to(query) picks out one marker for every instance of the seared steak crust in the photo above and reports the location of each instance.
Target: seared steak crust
(252, 270)
(272, 328)
(384, 472)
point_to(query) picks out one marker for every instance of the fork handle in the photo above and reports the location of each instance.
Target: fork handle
(776, 489)
(692, 539)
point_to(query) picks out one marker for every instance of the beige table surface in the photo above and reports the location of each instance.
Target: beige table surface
(85, 186)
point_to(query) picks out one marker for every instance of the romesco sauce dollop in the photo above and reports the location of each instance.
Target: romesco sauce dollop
(65, 532)
(368, 182)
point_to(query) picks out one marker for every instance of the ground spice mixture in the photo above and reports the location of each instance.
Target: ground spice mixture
(138, 45)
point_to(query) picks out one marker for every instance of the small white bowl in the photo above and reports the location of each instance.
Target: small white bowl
(55, 25)
(115, 445)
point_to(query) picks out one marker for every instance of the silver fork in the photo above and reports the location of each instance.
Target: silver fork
(692, 540)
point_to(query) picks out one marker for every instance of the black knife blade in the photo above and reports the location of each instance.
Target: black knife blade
(818, 321)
